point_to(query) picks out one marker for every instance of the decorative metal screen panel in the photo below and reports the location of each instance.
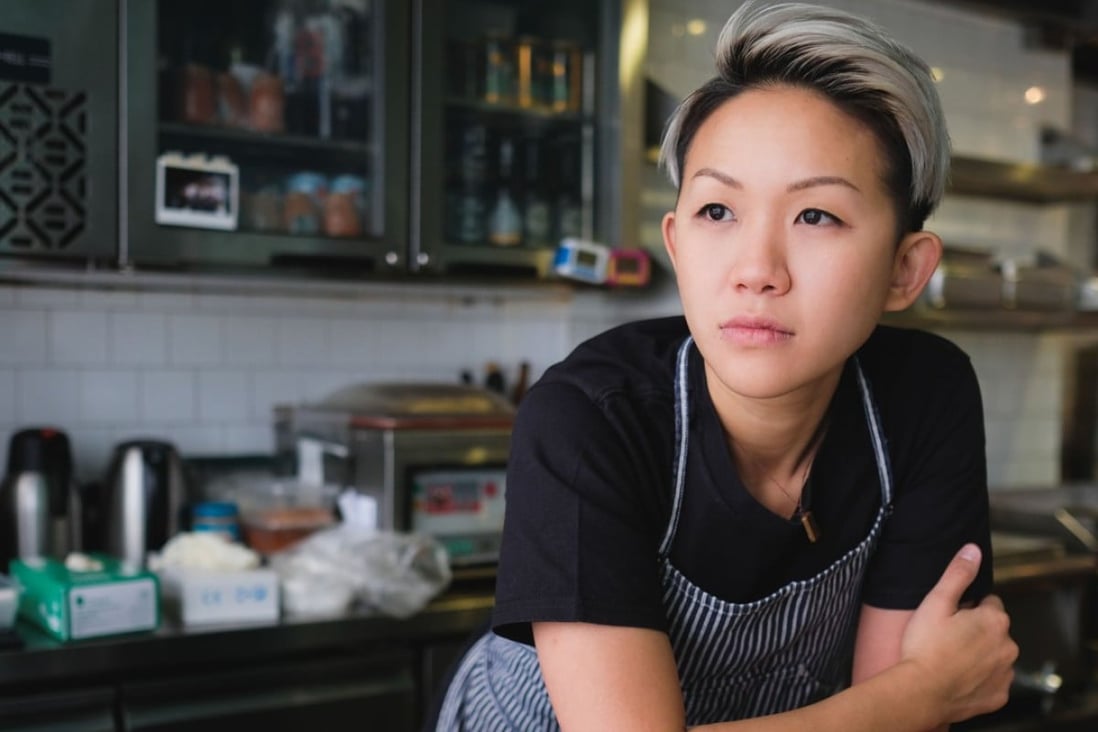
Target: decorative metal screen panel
(43, 161)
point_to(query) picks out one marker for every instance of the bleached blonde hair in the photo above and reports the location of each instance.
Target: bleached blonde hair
(852, 62)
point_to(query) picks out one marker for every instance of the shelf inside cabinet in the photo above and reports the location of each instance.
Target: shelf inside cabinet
(285, 143)
(538, 113)
(1020, 181)
(993, 319)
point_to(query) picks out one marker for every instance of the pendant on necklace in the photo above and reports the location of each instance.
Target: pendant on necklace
(809, 524)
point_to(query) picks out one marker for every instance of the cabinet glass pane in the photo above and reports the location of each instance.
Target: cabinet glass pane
(519, 111)
(278, 99)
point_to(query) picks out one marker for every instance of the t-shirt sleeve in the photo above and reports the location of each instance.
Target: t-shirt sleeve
(580, 531)
(940, 498)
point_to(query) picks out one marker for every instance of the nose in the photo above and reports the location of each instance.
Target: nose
(759, 265)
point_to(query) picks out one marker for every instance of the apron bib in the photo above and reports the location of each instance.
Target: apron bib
(735, 660)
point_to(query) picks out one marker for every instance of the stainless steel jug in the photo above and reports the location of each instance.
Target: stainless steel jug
(145, 497)
(27, 505)
(39, 506)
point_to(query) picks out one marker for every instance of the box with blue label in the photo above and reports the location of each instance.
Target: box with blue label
(208, 596)
(100, 596)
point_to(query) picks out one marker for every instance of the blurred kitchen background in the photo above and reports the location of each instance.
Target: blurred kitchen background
(201, 361)
(255, 205)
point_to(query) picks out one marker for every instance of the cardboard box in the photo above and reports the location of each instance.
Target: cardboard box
(203, 597)
(70, 605)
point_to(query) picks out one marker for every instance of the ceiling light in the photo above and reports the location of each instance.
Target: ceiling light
(1035, 95)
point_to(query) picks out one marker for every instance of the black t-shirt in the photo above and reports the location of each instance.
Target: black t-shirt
(590, 483)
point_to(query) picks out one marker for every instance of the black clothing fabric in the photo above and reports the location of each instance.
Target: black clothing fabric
(590, 480)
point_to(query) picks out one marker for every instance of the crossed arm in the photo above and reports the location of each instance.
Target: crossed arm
(913, 671)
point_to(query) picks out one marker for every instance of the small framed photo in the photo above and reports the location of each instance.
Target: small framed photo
(197, 190)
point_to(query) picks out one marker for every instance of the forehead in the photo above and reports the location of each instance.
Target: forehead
(785, 132)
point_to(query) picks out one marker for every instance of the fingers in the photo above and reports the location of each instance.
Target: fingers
(993, 602)
(962, 570)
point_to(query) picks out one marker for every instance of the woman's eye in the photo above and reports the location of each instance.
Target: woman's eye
(716, 212)
(815, 217)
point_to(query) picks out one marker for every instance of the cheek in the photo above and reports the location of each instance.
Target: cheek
(844, 285)
(861, 263)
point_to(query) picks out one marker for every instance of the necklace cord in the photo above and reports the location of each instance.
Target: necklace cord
(803, 512)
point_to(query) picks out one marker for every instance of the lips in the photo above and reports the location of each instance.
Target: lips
(755, 331)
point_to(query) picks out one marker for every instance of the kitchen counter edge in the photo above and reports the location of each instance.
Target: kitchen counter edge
(173, 647)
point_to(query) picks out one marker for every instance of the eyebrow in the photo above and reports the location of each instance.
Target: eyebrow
(819, 180)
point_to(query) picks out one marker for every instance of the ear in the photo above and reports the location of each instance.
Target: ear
(915, 260)
(668, 228)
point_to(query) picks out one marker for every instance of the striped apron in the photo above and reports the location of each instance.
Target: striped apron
(735, 660)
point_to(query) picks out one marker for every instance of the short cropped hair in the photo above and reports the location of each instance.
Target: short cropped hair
(852, 62)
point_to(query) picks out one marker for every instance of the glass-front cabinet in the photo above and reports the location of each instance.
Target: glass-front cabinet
(370, 137)
(268, 133)
(512, 102)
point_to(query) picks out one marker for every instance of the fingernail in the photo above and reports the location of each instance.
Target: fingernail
(970, 552)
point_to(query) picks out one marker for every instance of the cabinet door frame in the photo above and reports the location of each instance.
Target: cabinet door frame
(611, 178)
(81, 93)
(143, 241)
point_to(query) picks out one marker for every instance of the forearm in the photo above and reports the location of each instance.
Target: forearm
(877, 646)
(900, 699)
(957, 664)
(608, 678)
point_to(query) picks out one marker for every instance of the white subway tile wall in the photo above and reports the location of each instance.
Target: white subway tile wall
(204, 370)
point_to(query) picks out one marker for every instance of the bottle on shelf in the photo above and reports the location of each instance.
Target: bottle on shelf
(522, 383)
(505, 220)
(499, 68)
(537, 213)
(467, 210)
(569, 204)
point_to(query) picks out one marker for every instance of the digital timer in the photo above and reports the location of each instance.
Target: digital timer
(580, 259)
(629, 267)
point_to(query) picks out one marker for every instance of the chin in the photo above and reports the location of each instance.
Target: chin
(757, 383)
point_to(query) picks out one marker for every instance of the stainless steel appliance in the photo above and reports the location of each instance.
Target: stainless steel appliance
(145, 498)
(39, 506)
(432, 456)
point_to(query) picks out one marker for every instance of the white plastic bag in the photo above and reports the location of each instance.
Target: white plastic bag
(395, 573)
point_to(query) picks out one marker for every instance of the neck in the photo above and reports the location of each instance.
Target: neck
(773, 441)
(779, 482)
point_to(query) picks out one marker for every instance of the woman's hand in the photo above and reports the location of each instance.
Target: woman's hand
(967, 654)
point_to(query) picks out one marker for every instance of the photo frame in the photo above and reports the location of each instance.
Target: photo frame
(198, 191)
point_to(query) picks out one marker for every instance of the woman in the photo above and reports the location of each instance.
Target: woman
(736, 514)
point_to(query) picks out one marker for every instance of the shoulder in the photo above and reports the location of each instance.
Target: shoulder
(905, 349)
(915, 361)
(635, 360)
(919, 381)
(614, 394)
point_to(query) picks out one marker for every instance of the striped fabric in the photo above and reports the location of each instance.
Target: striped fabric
(497, 688)
(735, 660)
(782, 652)
(786, 650)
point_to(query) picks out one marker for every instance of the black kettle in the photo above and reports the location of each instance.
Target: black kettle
(144, 499)
(39, 505)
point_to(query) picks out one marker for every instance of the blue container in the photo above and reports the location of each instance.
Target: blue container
(218, 517)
